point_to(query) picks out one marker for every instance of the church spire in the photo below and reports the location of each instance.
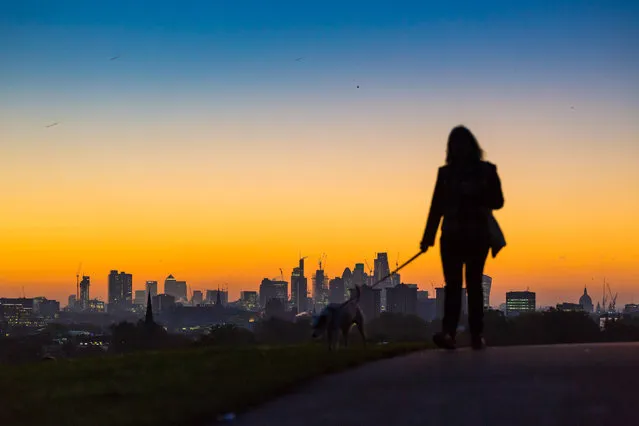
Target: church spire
(148, 320)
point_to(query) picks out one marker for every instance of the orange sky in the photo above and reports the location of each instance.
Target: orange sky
(207, 151)
(215, 211)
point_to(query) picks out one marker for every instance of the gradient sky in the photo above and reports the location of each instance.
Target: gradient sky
(206, 150)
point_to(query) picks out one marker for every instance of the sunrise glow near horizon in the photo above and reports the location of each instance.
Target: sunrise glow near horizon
(216, 141)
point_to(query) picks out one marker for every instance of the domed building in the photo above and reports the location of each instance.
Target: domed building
(586, 302)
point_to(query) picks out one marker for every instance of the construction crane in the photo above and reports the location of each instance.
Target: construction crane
(370, 272)
(322, 260)
(613, 299)
(395, 276)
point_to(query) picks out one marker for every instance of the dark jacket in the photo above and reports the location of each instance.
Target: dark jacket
(465, 197)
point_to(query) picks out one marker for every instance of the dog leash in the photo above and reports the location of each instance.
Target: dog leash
(397, 270)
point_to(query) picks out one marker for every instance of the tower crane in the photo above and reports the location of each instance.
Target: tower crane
(613, 299)
(370, 272)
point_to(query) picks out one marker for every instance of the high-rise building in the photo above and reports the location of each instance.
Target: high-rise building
(402, 299)
(72, 302)
(169, 286)
(152, 287)
(347, 277)
(127, 287)
(486, 284)
(140, 297)
(299, 288)
(336, 290)
(273, 289)
(518, 302)
(358, 278)
(249, 300)
(198, 298)
(84, 292)
(370, 302)
(175, 288)
(320, 290)
(120, 290)
(381, 270)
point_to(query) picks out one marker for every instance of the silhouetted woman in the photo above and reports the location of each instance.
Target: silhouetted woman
(466, 192)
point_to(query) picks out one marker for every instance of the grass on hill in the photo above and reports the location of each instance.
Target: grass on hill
(186, 387)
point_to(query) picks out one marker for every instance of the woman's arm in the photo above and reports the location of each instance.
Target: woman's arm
(494, 196)
(435, 214)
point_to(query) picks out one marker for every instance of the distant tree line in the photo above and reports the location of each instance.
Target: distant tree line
(551, 327)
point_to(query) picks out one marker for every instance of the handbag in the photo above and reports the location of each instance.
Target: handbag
(497, 241)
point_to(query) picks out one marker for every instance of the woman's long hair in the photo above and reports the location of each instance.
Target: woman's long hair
(463, 148)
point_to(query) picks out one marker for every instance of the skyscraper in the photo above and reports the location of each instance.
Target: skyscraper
(249, 300)
(273, 289)
(127, 288)
(152, 287)
(358, 277)
(320, 290)
(486, 283)
(336, 290)
(382, 270)
(120, 290)
(115, 288)
(347, 277)
(175, 288)
(84, 292)
(299, 288)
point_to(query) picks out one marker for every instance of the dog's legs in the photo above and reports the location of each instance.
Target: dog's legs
(329, 337)
(360, 327)
(345, 337)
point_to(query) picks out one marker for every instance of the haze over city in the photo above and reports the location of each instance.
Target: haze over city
(216, 142)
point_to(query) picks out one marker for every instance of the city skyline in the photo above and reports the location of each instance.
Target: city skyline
(496, 299)
(207, 151)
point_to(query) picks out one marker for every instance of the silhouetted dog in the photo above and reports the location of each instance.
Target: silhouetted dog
(340, 317)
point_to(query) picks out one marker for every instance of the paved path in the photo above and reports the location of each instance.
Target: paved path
(563, 385)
